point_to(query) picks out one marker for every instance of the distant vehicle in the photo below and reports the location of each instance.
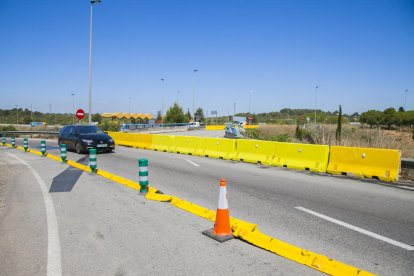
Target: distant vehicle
(193, 125)
(83, 137)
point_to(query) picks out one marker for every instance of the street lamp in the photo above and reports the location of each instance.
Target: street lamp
(73, 108)
(405, 101)
(250, 99)
(194, 88)
(162, 101)
(17, 108)
(90, 62)
(316, 99)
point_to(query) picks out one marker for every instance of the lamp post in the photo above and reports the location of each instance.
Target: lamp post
(250, 99)
(316, 99)
(17, 117)
(73, 108)
(194, 88)
(405, 100)
(162, 101)
(90, 62)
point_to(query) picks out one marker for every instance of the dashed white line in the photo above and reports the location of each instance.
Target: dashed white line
(54, 262)
(355, 228)
(192, 163)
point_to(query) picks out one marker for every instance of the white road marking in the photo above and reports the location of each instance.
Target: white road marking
(192, 163)
(355, 228)
(54, 262)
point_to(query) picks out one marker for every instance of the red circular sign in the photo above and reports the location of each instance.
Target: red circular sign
(80, 114)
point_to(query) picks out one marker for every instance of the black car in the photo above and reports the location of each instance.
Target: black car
(83, 137)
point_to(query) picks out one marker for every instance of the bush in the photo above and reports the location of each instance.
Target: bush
(7, 128)
(110, 126)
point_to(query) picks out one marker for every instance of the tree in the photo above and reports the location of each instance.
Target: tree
(401, 109)
(339, 127)
(199, 114)
(372, 117)
(96, 118)
(188, 115)
(390, 117)
(175, 114)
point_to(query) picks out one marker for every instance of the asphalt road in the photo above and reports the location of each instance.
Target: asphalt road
(362, 223)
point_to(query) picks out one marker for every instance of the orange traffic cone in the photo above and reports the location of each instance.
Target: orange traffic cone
(221, 231)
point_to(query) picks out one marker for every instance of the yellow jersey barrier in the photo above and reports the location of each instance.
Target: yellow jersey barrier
(186, 144)
(217, 148)
(254, 151)
(215, 127)
(122, 139)
(163, 142)
(383, 164)
(142, 141)
(301, 156)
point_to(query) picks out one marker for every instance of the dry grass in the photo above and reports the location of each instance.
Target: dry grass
(351, 136)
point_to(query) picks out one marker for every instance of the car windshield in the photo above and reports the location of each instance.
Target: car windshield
(88, 129)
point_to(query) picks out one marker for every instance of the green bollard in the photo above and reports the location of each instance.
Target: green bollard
(143, 175)
(13, 141)
(3, 139)
(43, 147)
(63, 152)
(92, 160)
(25, 144)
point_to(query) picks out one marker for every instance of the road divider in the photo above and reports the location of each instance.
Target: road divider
(163, 142)
(92, 160)
(13, 142)
(313, 158)
(217, 148)
(187, 144)
(63, 153)
(143, 175)
(254, 151)
(382, 164)
(25, 144)
(43, 147)
(241, 229)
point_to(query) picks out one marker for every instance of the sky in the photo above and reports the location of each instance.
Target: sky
(255, 55)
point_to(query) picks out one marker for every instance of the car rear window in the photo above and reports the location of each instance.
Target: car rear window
(88, 129)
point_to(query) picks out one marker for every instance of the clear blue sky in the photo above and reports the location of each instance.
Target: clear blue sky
(360, 54)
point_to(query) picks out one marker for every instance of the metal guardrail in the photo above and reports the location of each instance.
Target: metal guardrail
(30, 132)
(407, 163)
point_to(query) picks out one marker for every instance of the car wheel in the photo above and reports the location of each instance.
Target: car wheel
(109, 150)
(78, 148)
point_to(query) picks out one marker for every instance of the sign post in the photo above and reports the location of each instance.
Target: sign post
(80, 114)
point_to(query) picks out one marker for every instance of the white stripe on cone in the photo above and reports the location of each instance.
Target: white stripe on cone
(223, 204)
(143, 169)
(143, 178)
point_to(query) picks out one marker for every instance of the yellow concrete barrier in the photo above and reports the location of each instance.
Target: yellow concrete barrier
(142, 141)
(250, 126)
(163, 142)
(383, 164)
(217, 148)
(254, 151)
(121, 138)
(186, 144)
(215, 127)
(301, 156)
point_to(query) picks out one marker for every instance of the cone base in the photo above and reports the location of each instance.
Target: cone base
(220, 238)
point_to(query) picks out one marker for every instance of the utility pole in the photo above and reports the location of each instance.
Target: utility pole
(194, 88)
(405, 101)
(316, 100)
